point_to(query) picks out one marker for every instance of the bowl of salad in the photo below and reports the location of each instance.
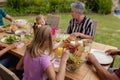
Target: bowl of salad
(9, 39)
(73, 63)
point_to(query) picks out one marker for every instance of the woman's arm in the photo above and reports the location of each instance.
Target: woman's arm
(81, 35)
(20, 64)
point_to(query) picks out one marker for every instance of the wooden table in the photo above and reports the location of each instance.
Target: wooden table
(85, 72)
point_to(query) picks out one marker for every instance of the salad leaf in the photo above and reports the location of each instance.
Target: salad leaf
(29, 37)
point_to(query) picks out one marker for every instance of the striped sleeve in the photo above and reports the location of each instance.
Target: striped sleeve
(69, 30)
(89, 28)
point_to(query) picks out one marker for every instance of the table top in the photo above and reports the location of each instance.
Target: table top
(85, 72)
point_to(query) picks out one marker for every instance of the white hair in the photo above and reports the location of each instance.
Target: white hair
(78, 7)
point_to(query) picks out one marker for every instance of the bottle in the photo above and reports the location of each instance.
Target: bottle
(54, 32)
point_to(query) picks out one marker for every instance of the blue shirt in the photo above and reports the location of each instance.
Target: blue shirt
(2, 14)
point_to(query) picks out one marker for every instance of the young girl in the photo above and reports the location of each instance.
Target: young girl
(39, 22)
(37, 65)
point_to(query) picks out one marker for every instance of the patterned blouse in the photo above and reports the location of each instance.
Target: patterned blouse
(86, 26)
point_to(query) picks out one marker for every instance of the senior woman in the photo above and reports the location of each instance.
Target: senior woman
(80, 25)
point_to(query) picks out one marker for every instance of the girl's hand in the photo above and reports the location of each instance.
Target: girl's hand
(65, 55)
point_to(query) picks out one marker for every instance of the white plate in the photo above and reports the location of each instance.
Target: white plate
(101, 56)
(62, 36)
(19, 32)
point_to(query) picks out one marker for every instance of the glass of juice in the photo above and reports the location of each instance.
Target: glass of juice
(59, 51)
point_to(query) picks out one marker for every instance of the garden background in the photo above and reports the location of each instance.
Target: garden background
(108, 28)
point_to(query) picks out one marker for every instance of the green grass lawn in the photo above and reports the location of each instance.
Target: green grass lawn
(107, 32)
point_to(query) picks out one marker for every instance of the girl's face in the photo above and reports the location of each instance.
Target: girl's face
(40, 21)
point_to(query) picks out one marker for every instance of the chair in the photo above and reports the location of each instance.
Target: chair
(115, 59)
(53, 20)
(6, 74)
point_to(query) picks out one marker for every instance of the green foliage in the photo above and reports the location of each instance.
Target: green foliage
(100, 6)
(105, 6)
(22, 7)
(54, 6)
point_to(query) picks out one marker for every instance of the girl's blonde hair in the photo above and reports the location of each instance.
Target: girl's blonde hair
(35, 26)
(39, 17)
(42, 35)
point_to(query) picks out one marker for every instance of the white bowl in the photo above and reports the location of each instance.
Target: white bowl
(20, 22)
(19, 32)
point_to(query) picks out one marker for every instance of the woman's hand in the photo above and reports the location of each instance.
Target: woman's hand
(76, 34)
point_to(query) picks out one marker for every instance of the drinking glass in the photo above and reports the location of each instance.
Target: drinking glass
(59, 51)
(22, 37)
(87, 45)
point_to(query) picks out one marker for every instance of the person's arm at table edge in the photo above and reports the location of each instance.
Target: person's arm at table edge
(103, 73)
(9, 18)
(7, 48)
(118, 52)
(3, 51)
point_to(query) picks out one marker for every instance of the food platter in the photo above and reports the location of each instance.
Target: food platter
(9, 39)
